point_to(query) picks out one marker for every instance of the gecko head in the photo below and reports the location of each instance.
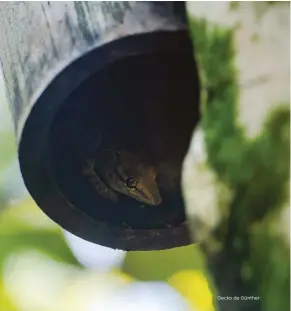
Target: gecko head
(136, 179)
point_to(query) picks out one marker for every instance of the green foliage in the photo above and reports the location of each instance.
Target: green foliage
(17, 233)
(7, 147)
(163, 263)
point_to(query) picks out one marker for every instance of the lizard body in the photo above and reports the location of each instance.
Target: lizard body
(99, 185)
(122, 172)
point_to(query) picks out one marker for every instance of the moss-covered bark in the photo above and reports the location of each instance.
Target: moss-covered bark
(253, 257)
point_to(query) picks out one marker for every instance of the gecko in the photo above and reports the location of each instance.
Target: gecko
(114, 172)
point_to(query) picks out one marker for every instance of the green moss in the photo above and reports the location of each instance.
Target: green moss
(255, 38)
(238, 161)
(260, 9)
(214, 53)
(256, 170)
(273, 276)
(234, 5)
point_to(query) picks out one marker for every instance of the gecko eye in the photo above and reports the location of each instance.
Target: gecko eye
(131, 182)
